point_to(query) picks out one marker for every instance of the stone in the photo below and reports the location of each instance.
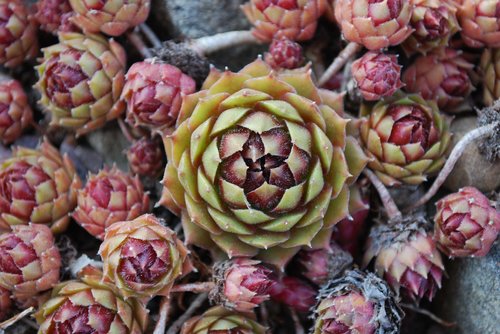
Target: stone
(111, 144)
(472, 169)
(470, 295)
(198, 18)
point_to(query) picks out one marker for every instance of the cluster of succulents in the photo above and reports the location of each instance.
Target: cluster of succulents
(260, 206)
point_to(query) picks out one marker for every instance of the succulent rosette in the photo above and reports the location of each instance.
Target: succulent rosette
(89, 305)
(80, 80)
(109, 196)
(321, 265)
(480, 22)
(441, 77)
(466, 224)
(374, 24)
(434, 23)
(221, 320)
(18, 34)
(293, 19)
(406, 256)
(37, 186)
(259, 165)
(143, 258)
(29, 260)
(154, 92)
(348, 233)
(5, 303)
(406, 137)
(284, 54)
(51, 14)
(15, 111)
(491, 75)
(112, 17)
(377, 75)
(242, 284)
(357, 302)
(145, 157)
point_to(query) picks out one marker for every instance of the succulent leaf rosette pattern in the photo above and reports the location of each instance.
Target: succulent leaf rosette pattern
(112, 17)
(292, 19)
(466, 224)
(258, 164)
(18, 34)
(109, 196)
(51, 14)
(15, 111)
(434, 23)
(406, 137)
(145, 157)
(480, 22)
(154, 94)
(374, 24)
(357, 302)
(143, 257)
(29, 260)
(406, 256)
(491, 73)
(89, 305)
(37, 186)
(80, 80)
(220, 320)
(443, 77)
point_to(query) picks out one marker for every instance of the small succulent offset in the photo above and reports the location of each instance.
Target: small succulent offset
(15, 112)
(18, 34)
(145, 157)
(80, 80)
(29, 261)
(491, 73)
(154, 92)
(242, 284)
(51, 14)
(406, 256)
(143, 258)
(109, 196)
(292, 19)
(480, 23)
(357, 302)
(37, 186)
(434, 23)
(221, 320)
(377, 75)
(406, 137)
(284, 54)
(259, 164)
(112, 17)
(443, 77)
(89, 305)
(466, 224)
(374, 24)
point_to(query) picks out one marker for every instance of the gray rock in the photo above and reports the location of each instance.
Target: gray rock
(197, 18)
(470, 295)
(110, 143)
(472, 169)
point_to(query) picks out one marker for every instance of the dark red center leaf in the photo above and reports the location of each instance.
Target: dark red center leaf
(414, 127)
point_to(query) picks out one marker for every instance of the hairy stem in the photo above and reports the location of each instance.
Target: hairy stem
(176, 326)
(456, 153)
(349, 51)
(150, 35)
(125, 131)
(390, 206)
(210, 44)
(161, 325)
(138, 43)
(194, 287)
(429, 314)
(9, 322)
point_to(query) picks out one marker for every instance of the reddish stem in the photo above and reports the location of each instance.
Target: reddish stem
(125, 131)
(150, 35)
(343, 57)
(176, 326)
(138, 43)
(9, 322)
(161, 325)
